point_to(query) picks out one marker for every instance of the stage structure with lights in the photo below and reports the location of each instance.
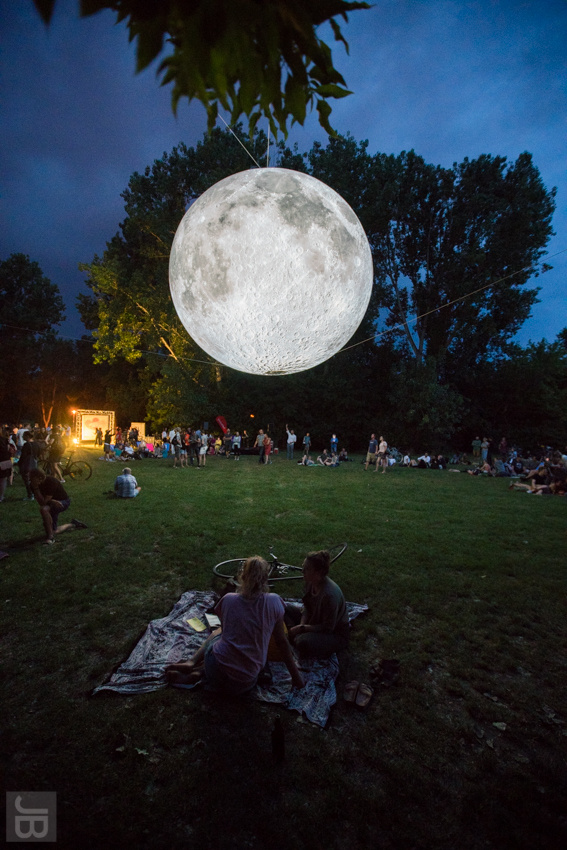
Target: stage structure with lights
(270, 271)
(86, 421)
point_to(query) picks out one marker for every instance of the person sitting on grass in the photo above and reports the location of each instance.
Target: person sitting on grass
(233, 657)
(483, 469)
(321, 627)
(52, 500)
(306, 461)
(126, 486)
(325, 458)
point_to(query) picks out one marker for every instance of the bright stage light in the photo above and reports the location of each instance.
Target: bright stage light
(270, 271)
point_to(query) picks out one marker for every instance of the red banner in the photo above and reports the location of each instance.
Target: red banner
(221, 421)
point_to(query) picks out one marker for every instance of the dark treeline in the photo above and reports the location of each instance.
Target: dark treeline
(428, 377)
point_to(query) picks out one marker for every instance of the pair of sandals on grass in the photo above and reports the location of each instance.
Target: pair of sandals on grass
(385, 673)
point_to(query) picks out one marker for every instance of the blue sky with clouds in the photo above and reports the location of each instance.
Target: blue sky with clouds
(448, 79)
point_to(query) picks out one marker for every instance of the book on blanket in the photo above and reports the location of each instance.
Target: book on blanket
(213, 621)
(196, 624)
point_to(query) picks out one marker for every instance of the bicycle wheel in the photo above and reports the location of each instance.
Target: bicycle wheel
(79, 470)
(278, 572)
(337, 551)
(229, 569)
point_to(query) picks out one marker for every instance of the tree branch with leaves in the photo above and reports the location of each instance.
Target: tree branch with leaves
(252, 57)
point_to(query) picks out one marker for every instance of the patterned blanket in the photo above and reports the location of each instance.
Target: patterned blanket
(171, 639)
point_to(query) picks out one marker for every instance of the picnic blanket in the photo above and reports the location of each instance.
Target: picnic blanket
(171, 639)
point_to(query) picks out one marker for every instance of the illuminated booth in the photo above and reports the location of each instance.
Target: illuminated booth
(87, 421)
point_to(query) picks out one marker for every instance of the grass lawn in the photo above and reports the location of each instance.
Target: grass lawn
(465, 583)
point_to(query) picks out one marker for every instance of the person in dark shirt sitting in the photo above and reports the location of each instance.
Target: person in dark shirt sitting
(321, 626)
(52, 500)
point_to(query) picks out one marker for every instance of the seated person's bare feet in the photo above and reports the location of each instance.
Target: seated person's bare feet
(184, 673)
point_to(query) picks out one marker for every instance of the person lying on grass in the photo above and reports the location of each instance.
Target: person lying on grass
(322, 626)
(306, 461)
(233, 657)
(52, 499)
(554, 488)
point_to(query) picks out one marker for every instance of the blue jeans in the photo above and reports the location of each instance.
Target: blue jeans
(290, 451)
(55, 510)
(216, 679)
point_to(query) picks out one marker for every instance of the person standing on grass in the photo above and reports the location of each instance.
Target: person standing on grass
(176, 448)
(56, 450)
(203, 448)
(27, 462)
(307, 444)
(334, 444)
(227, 441)
(233, 657)
(372, 449)
(236, 444)
(260, 441)
(186, 444)
(6, 468)
(52, 500)
(382, 458)
(291, 441)
(193, 446)
(108, 434)
(267, 449)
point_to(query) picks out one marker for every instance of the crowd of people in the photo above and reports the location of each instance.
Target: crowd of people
(256, 626)
(27, 447)
(542, 473)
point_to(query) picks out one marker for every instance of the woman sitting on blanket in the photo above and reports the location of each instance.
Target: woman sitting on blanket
(322, 626)
(232, 658)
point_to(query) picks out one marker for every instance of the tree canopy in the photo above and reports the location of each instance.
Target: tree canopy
(31, 307)
(253, 57)
(453, 252)
(465, 239)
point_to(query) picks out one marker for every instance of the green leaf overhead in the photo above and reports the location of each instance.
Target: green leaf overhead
(250, 56)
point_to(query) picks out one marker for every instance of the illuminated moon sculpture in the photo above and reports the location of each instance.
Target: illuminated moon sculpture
(270, 271)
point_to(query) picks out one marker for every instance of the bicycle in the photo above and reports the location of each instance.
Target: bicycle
(77, 470)
(279, 571)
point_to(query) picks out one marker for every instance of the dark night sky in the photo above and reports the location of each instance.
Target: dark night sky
(449, 79)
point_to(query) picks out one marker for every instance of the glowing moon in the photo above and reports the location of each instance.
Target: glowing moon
(270, 271)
